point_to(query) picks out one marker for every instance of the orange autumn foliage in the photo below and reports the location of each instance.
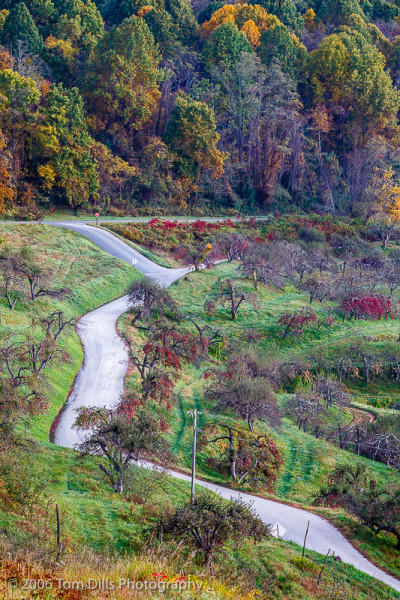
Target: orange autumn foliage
(251, 19)
(252, 33)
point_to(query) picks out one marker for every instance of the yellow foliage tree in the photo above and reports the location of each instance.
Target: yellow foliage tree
(252, 33)
(240, 14)
(384, 191)
(6, 189)
(48, 176)
(309, 19)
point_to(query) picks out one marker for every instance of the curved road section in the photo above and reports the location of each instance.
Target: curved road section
(100, 383)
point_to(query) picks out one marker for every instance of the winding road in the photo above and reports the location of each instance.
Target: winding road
(100, 382)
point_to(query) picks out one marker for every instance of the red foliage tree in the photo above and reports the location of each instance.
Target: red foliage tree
(160, 359)
(294, 323)
(367, 307)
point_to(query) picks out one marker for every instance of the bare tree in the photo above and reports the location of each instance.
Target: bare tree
(332, 392)
(248, 396)
(232, 245)
(385, 229)
(12, 278)
(23, 359)
(319, 287)
(39, 280)
(228, 294)
(261, 264)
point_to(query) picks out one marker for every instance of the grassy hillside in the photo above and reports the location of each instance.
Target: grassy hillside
(106, 535)
(307, 461)
(93, 277)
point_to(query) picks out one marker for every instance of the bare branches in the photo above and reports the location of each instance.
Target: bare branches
(23, 359)
(22, 277)
(228, 294)
(244, 389)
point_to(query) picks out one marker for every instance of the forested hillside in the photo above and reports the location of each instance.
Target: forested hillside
(123, 105)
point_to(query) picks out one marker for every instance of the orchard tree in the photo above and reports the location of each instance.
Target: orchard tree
(150, 300)
(210, 521)
(197, 254)
(367, 307)
(385, 229)
(12, 280)
(243, 389)
(376, 506)
(309, 412)
(392, 355)
(294, 323)
(319, 286)
(160, 359)
(227, 294)
(23, 360)
(331, 392)
(232, 245)
(39, 281)
(261, 264)
(121, 436)
(246, 456)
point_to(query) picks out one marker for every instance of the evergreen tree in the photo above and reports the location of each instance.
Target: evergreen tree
(122, 85)
(225, 45)
(337, 12)
(20, 27)
(285, 10)
(192, 137)
(278, 44)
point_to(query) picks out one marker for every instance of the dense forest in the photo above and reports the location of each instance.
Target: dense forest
(126, 106)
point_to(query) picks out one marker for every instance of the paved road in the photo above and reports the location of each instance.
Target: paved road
(100, 382)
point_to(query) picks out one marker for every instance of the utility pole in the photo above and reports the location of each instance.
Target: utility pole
(194, 415)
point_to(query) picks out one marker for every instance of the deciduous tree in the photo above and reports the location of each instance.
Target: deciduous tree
(209, 522)
(245, 456)
(120, 436)
(227, 294)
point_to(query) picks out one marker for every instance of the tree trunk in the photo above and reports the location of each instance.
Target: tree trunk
(119, 486)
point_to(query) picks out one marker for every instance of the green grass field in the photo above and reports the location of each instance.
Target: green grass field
(94, 278)
(98, 525)
(308, 461)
